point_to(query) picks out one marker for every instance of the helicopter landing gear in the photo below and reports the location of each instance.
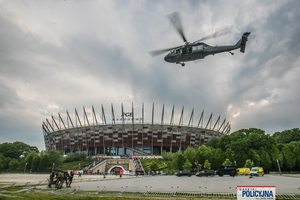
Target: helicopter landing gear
(182, 63)
(231, 53)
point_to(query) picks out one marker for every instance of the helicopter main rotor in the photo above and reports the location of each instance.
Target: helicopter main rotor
(176, 22)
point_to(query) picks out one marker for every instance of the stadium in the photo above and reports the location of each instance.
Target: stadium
(141, 133)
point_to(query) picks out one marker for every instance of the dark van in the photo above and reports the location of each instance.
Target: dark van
(206, 173)
(227, 170)
(184, 173)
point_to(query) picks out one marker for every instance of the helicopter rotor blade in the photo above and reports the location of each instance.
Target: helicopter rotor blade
(175, 19)
(157, 52)
(222, 32)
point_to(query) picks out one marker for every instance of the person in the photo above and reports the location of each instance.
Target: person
(70, 178)
(66, 178)
(51, 179)
(79, 175)
(60, 180)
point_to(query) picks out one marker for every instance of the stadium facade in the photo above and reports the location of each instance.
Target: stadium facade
(111, 135)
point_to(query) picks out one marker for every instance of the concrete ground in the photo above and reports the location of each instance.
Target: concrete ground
(163, 183)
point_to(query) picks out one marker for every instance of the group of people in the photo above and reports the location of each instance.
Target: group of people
(58, 179)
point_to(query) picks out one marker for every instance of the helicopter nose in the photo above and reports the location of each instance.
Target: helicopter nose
(168, 58)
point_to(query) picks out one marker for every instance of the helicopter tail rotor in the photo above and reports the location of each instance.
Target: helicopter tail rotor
(244, 41)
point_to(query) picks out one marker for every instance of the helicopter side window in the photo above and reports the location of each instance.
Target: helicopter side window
(189, 50)
(178, 51)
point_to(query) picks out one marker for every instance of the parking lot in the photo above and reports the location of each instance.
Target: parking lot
(164, 183)
(193, 183)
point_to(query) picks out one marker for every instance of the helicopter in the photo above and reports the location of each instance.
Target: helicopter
(198, 49)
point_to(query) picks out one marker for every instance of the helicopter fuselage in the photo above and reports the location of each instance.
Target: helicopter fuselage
(195, 51)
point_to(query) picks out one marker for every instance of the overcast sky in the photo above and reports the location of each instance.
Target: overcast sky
(60, 55)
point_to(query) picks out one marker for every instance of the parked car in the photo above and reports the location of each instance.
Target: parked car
(243, 171)
(206, 173)
(257, 171)
(227, 170)
(184, 173)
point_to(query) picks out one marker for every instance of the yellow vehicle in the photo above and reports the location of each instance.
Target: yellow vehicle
(243, 171)
(257, 171)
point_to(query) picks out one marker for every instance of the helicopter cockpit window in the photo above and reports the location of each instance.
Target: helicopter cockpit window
(177, 50)
(199, 47)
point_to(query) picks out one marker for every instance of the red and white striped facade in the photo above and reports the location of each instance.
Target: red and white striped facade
(119, 136)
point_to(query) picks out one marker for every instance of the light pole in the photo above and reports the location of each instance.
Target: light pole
(164, 167)
(25, 168)
(53, 166)
(279, 167)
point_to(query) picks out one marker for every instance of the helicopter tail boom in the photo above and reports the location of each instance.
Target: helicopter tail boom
(244, 41)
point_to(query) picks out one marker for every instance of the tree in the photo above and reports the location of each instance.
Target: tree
(213, 142)
(199, 156)
(227, 162)
(190, 154)
(187, 165)
(249, 164)
(207, 165)
(35, 165)
(265, 160)
(178, 160)
(276, 155)
(13, 164)
(154, 165)
(254, 156)
(224, 141)
(218, 158)
(2, 159)
(45, 162)
(9, 150)
(29, 158)
(166, 155)
(289, 157)
(229, 155)
(55, 157)
(297, 155)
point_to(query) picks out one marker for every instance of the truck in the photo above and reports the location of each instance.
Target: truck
(257, 171)
(227, 170)
(243, 171)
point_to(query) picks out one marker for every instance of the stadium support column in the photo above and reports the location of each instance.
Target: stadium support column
(61, 120)
(132, 129)
(113, 122)
(69, 118)
(104, 119)
(61, 135)
(171, 124)
(180, 124)
(190, 124)
(87, 120)
(53, 136)
(200, 121)
(161, 127)
(143, 129)
(152, 129)
(123, 148)
(95, 120)
(77, 128)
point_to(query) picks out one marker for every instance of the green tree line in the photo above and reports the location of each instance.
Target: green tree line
(243, 148)
(18, 156)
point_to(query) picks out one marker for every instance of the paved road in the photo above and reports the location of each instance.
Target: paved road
(208, 184)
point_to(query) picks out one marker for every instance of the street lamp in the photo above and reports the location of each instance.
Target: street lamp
(279, 167)
(53, 166)
(25, 168)
(164, 167)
